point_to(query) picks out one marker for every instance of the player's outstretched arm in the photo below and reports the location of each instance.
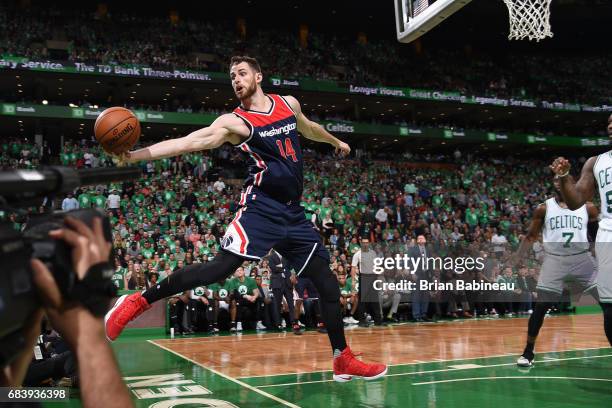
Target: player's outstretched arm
(575, 194)
(313, 131)
(537, 221)
(226, 128)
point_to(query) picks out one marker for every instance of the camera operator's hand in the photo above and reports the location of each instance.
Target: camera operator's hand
(101, 383)
(89, 248)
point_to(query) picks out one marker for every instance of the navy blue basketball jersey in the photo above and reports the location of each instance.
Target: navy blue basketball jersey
(274, 147)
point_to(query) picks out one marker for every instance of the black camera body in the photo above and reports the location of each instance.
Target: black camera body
(18, 295)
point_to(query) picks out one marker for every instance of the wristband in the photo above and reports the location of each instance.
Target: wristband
(96, 289)
(562, 175)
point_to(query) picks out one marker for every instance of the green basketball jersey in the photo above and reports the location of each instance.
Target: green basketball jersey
(118, 277)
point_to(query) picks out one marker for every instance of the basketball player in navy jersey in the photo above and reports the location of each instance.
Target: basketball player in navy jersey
(265, 127)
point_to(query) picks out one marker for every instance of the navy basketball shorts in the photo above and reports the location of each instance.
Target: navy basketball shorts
(264, 223)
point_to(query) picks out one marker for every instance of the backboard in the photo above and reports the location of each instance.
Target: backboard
(413, 18)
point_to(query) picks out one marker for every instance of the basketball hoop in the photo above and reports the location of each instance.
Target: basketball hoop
(529, 19)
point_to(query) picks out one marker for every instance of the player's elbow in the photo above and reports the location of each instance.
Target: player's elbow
(312, 131)
(317, 128)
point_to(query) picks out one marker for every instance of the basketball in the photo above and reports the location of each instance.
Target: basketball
(117, 130)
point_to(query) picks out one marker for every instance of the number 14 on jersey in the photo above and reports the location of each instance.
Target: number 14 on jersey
(288, 150)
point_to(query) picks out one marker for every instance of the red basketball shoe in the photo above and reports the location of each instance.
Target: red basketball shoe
(347, 366)
(126, 308)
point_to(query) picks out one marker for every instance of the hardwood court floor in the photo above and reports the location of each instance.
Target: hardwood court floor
(271, 354)
(461, 364)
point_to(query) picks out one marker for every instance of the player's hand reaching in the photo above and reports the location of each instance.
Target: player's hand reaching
(121, 160)
(343, 149)
(561, 166)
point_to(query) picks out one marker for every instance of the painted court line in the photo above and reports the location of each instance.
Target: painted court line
(227, 377)
(415, 362)
(514, 378)
(446, 370)
(465, 366)
(235, 338)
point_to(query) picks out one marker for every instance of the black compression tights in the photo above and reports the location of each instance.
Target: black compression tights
(607, 312)
(192, 276)
(326, 283)
(225, 263)
(536, 320)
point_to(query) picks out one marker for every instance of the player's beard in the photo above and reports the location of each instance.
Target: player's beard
(248, 92)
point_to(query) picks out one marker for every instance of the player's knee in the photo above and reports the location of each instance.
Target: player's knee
(547, 298)
(227, 260)
(328, 288)
(332, 293)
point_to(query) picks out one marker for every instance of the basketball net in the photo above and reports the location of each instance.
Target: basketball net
(529, 19)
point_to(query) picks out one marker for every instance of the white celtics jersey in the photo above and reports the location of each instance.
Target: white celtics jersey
(565, 231)
(602, 170)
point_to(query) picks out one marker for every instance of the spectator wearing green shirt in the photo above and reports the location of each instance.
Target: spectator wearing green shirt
(348, 296)
(471, 217)
(99, 201)
(148, 251)
(248, 299)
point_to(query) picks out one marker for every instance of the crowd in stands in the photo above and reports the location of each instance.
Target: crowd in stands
(203, 45)
(176, 214)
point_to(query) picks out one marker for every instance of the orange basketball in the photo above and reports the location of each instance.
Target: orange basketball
(117, 129)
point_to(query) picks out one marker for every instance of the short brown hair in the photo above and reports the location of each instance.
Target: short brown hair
(237, 59)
